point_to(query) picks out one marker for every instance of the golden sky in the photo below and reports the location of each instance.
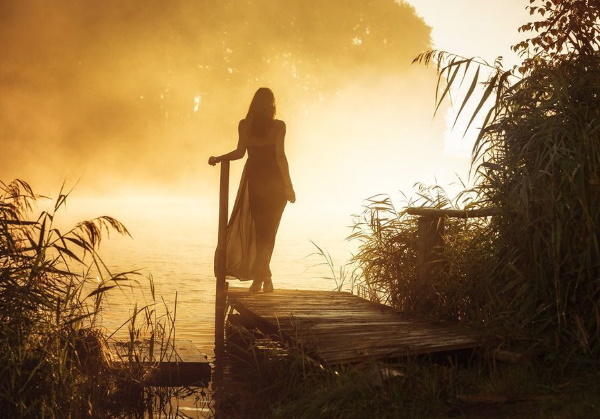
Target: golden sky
(131, 97)
(473, 28)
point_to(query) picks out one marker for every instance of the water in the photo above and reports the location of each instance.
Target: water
(173, 242)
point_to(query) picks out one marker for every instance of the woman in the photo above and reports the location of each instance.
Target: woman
(264, 190)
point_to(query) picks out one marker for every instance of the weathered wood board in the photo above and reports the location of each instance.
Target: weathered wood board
(341, 328)
(177, 363)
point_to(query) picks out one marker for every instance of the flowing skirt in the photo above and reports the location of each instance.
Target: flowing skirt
(252, 227)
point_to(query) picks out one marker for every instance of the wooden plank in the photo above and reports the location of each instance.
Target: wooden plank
(177, 363)
(339, 328)
(430, 232)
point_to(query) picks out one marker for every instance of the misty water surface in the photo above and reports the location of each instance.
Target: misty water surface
(174, 243)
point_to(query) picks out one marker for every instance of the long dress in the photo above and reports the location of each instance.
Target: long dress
(255, 216)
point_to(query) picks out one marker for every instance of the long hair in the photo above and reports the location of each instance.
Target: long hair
(261, 112)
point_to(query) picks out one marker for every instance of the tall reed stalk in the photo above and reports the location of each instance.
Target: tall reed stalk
(387, 258)
(534, 270)
(52, 284)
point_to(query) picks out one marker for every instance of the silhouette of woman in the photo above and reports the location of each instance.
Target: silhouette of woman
(264, 190)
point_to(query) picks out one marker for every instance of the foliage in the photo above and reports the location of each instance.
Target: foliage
(53, 358)
(541, 165)
(387, 259)
(569, 31)
(537, 157)
(44, 341)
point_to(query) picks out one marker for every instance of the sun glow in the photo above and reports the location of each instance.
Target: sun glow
(165, 89)
(475, 36)
(197, 101)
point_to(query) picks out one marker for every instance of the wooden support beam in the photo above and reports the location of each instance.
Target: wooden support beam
(431, 241)
(221, 258)
(431, 235)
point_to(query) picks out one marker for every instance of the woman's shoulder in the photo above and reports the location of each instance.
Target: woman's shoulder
(279, 124)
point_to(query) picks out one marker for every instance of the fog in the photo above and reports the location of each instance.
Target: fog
(132, 97)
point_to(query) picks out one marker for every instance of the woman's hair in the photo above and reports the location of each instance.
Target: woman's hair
(262, 111)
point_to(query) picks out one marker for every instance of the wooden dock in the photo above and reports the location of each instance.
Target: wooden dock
(340, 328)
(177, 363)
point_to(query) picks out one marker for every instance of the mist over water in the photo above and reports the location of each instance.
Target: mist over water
(174, 247)
(127, 99)
(131, 95)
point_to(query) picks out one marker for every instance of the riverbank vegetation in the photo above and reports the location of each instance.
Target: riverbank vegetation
(529, 277)
(53, 353)
(533, 271)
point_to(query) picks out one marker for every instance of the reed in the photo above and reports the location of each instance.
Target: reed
(345, 276)
(53, 353)
(532, 272)
(542, 158)
(387, 257)
(46, 336)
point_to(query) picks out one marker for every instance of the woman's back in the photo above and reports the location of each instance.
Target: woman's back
(264, 175)
(268, 136)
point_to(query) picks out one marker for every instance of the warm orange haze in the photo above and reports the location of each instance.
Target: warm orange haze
(125, 100)
(300, 208)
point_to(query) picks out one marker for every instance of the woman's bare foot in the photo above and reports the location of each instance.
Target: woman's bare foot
(255, 287)
(268, 286)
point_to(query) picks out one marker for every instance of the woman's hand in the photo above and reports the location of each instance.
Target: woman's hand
(290, 194)
(212, 160)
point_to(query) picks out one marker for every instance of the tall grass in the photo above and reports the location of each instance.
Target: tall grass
(387, 258)
(46, 338)
(345, 276)
(542, 159)
(53, 355)
(538, 158)
(533, 271)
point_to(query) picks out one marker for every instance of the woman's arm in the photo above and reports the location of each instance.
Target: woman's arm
(283, 164)
(236, 154)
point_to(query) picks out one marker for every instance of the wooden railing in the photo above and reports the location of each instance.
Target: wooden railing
(221, 258)
(430, 231)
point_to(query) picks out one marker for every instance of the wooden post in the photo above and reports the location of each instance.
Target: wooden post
(221, 259)
(430, 232)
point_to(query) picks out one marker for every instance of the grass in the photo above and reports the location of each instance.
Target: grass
(46, 328)
(344, 277)
(537, 158)
(53, 357)
(274, 380)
